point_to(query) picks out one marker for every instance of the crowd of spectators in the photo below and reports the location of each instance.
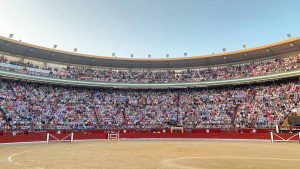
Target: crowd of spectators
(250, 69)
(39, 106)
(18, 63)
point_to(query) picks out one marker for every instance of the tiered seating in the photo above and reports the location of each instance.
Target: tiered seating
(35, 106)
(254, 68)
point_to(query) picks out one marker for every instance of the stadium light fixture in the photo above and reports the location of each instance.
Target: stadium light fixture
(131, 55)
(11, 36)
(113, 54)
(167, 55)
(244, 46)
(54, 46)
(75, 49)
(149, 55)
(289, 36)
(185, 54)
(224, 49)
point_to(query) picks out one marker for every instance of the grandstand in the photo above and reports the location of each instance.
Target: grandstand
(242, 99)
(232, 108)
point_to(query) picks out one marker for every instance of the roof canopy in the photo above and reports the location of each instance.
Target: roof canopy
(42, 53)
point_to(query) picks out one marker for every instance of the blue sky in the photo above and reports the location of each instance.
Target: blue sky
(154, 27)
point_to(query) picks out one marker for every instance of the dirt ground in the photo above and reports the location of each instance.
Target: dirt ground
(186, 154)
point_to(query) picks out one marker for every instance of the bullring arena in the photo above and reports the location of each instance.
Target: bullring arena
(245, 121)
(144, 101)
(166, 121)
(151, 151)
(167, 154)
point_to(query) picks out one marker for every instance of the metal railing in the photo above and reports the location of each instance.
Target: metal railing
(269, 77)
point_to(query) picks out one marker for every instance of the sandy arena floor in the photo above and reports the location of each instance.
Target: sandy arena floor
(152, 155)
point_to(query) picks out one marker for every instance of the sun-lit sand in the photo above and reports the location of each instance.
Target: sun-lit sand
(187, 154)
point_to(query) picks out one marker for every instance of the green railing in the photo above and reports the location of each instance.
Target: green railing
(275, 76)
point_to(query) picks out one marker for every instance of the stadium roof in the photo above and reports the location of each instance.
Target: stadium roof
(42, 53)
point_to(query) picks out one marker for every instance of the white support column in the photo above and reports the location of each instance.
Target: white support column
(22, 59)
(277, 129)
(48, 137)
(72, 137)
(45, 65)
(272, 137)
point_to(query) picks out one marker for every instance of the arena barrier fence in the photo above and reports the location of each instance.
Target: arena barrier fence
(285, 137)
(113, 136)
(38, 136)
(53, 138)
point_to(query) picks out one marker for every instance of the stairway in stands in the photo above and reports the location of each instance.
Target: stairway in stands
(236, 111)
(97, 120)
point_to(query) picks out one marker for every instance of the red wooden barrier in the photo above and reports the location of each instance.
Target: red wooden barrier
(25, 136)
